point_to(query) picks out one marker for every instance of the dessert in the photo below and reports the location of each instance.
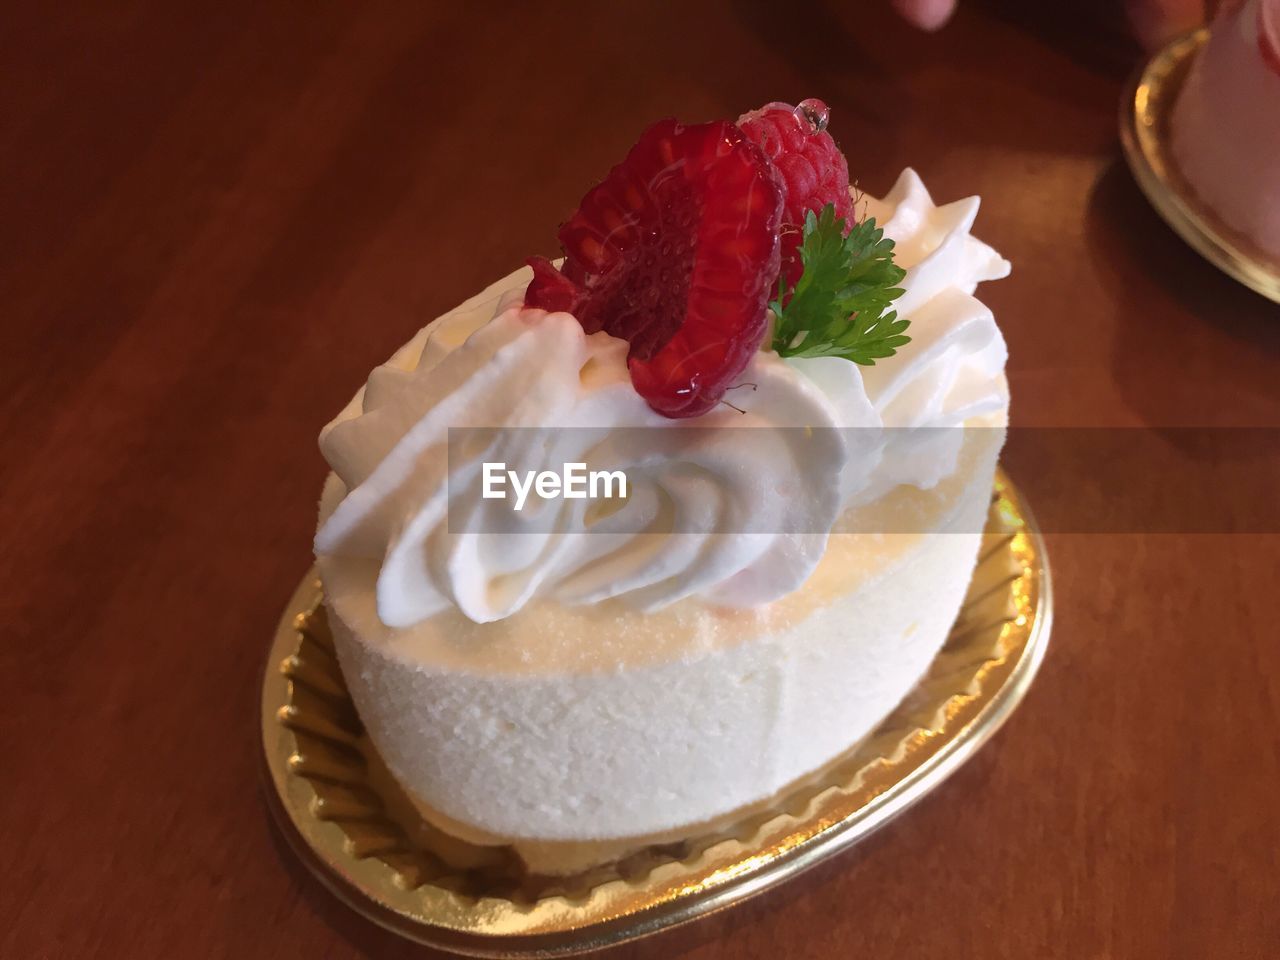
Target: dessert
(1225, 126)
(728, 329)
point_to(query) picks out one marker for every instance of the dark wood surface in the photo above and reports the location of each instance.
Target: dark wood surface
(214, 221)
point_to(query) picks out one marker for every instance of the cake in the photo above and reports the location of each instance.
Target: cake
(578, 678)
(1225, 125)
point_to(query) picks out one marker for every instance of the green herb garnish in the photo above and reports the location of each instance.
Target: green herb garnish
(838, 306)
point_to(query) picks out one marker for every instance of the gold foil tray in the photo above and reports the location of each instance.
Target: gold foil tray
(1145, 110)
(347, 820)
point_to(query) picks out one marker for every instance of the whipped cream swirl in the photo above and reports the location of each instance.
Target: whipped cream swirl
(700, 503)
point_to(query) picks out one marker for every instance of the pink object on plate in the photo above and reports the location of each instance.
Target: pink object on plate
(1226, 123)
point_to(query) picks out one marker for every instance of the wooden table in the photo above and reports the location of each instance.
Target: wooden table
(213, 224)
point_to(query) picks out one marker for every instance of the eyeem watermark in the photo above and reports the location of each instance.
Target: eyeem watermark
(573, 482)
(1079, 480)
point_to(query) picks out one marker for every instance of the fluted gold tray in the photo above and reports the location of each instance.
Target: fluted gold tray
(1145, 110)
(347, 822)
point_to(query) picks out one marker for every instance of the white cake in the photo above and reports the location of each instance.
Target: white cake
(574, 694)
(1225, 125)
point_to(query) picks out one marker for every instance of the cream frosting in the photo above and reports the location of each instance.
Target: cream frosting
(733, 524)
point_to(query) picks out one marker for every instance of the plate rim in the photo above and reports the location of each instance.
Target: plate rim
(861, 823)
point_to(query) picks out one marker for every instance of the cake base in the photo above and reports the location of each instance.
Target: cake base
(1145, 109)
(358, 832)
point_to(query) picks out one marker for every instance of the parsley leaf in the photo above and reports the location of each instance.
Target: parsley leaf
(838, 306)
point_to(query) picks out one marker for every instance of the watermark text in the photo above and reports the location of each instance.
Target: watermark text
(573, 482)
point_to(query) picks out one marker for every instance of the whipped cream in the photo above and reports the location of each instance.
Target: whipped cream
(698, 501)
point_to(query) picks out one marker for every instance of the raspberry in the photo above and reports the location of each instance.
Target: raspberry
(813, 168)
(676, 252)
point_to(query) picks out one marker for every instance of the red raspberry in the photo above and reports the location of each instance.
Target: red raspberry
(812, 167)
(676, 252)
